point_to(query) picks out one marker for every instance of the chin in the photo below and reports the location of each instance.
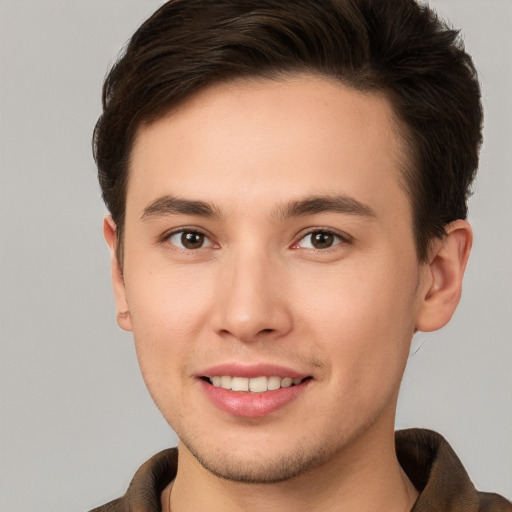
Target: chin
(259, 468)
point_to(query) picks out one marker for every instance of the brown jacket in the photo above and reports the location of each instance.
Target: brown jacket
(428, 460)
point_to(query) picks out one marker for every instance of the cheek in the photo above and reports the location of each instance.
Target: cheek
(168, 312)
(363, 321)
(357, 298)
(168, 301)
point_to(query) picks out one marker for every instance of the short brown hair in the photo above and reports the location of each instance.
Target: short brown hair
(397, 47)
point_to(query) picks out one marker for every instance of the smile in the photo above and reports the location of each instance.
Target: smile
(253, 397)
(253, 385)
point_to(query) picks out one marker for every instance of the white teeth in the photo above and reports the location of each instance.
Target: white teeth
(286, 382)
(255, 384)
(258, 384)
(273, 383)
(240, 384)
(225, 382)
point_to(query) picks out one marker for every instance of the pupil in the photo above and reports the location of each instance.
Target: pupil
(322, 240)
(192, 240)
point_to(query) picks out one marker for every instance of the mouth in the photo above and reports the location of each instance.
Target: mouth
(254, 390)
(257, 385)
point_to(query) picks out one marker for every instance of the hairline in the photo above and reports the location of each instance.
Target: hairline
(406, 157)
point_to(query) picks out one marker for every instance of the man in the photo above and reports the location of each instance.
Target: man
(287, 183)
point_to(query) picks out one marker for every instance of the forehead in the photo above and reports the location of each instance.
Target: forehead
(266, 141)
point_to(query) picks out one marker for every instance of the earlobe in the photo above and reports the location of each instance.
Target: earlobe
(443, 279)
(123, 311)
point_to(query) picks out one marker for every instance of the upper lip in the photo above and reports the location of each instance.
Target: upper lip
(252, 370)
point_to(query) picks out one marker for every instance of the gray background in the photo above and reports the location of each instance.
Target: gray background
(76, 420)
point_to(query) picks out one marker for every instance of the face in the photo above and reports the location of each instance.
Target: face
(268, 242)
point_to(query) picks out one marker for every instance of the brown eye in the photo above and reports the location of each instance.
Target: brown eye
(189, 240)
(320, 240)
(192, 240)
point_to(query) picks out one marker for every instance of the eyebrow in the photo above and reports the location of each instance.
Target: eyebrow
(171, 205)
(325, 204)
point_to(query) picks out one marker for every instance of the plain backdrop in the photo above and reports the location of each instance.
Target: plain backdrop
(75, 418)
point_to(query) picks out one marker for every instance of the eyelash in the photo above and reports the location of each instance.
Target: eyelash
(195, 231)
(342, 239)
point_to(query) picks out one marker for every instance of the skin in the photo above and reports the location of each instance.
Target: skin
(257, 291)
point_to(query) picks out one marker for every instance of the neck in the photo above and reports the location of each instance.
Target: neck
(365, 476)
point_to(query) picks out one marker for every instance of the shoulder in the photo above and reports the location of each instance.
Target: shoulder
(143, 494)
(113, 506)
(490, 502)
(438, 474)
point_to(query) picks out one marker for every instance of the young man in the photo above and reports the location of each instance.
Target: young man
(287, 183)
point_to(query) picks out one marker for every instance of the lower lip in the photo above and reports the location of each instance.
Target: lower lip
(252, 405)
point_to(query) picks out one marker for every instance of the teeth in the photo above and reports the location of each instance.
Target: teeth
(258, 385)
(254, 385)
(273, 383)
(225, 382)
(240, 384)
(286, 382)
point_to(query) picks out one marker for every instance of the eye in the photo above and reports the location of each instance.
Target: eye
(320, 240)
(187, 239)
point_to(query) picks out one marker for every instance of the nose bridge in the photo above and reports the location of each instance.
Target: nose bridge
(253, 300)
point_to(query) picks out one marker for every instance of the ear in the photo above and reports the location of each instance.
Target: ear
(123, 311)
(442, 281)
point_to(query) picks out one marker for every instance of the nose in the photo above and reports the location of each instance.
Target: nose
(252, 302)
